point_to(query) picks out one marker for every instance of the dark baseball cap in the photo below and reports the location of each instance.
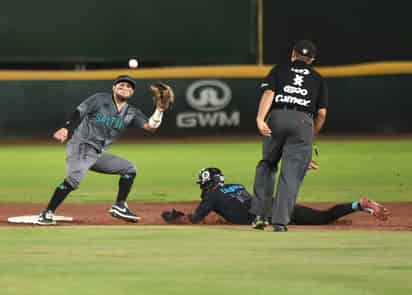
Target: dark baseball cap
(125, 78)
(305, 48)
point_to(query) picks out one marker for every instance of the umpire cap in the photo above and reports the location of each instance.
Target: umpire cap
(305, 48)
(125, 78)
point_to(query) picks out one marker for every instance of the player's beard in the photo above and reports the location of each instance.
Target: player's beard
(121, 98)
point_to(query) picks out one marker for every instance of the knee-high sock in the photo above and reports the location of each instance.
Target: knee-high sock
(125, 185)
(60, 193)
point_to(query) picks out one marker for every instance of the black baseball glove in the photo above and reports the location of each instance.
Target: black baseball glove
(173, 217)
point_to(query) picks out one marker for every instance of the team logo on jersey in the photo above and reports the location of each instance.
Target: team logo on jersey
(231, 188)
(292, 100)
(297, 88)
(208, 95)
(110, 121)
(298, 80)
(301, 71)
(291, 89)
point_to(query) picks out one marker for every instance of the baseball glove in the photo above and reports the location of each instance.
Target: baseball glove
(173, 216)
(163, 95)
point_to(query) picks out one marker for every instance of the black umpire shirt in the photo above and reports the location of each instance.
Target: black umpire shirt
(231, 201)
(297, 86)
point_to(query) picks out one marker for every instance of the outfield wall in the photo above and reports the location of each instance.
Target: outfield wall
(368, 98)
(163, 32)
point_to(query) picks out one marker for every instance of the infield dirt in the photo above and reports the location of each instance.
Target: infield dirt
(97, 214)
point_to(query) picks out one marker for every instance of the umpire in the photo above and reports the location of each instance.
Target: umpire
(291, 113)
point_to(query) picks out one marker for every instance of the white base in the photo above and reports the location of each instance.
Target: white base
(33, 219)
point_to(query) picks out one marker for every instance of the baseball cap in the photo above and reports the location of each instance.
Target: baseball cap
(305, 48)
(125, 78)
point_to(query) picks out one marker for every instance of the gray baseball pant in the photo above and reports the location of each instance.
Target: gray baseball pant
(82, 157)
(290, 143)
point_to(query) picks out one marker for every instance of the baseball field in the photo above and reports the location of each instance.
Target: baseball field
(96, 254)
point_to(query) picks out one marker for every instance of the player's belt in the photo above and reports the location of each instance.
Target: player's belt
(292, 108)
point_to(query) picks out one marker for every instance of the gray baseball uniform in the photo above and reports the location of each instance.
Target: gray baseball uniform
(101, 123)
(95, 124)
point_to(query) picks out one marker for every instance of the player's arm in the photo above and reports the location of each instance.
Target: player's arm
(322, 105)
(68, 127)
(203, 209)
(264, 107)
(164, 98)
(74, 119)
(268, 93)
(319, 121)
(154, 121)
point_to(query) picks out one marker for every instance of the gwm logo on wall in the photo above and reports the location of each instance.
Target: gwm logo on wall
(208, 95)
(208, 99)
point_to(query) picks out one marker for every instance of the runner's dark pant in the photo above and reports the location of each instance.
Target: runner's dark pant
(303, 215)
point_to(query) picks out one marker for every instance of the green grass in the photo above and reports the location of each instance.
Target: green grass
(167, 172)
(202, 260)
(205, 260)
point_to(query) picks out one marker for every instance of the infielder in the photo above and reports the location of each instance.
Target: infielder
(292, 111)
(95, 123)
(233, 203)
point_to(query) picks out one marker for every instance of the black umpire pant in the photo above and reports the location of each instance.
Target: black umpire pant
(291, 142)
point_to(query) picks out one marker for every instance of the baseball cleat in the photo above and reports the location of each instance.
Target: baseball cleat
(374, 208)
(46, 218)
(259, 223)
(123, 212)
(279, 228)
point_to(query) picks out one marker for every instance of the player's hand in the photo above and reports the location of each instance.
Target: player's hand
(263, 128)
(61, 134)
(313, 165)
(160, 107)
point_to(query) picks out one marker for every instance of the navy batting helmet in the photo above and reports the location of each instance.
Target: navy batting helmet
(210, 178)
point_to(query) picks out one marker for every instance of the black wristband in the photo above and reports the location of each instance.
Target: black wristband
(72, 121)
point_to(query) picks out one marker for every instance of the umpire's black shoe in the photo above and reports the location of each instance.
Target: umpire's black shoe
(259, 223)
(280, 228)
(123, 212)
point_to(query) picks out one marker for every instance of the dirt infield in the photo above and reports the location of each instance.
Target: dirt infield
(97, 214)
